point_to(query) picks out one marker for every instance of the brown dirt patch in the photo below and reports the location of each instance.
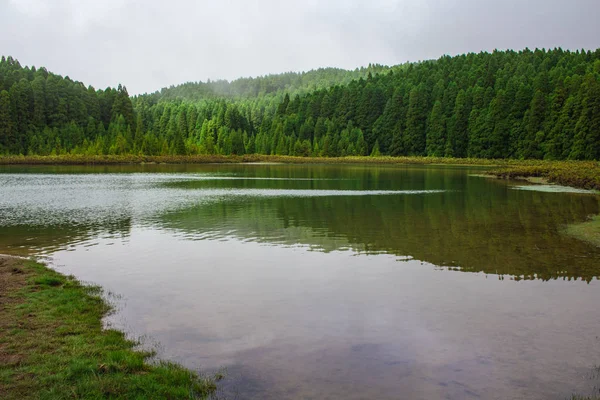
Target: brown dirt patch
(12, 278)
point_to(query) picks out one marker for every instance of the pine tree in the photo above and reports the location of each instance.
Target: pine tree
(534, 127)
(122, 106)
(375, 152)
(237, 143)
(436, 132)
(586, 144)
(7, 136)
(458, 136)
(397, 146)
(528, 104)
(414, 135)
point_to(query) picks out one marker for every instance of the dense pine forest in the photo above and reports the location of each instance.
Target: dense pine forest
(542, 104)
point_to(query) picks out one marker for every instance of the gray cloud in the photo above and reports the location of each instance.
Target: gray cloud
(149, 44)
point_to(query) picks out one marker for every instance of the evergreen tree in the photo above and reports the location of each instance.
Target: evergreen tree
(414, 135)
(436, 132)
(528, 104)
(458, 137)
(586, 144)
(7, 136)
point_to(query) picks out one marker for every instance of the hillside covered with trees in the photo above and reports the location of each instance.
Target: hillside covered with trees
(527, 105)
(290, 82)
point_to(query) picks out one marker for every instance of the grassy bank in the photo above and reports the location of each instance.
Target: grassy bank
(588, 231)
(52, 345)
(580, 174)
(208, 158)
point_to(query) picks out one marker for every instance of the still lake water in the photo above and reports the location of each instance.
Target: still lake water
(328, 282)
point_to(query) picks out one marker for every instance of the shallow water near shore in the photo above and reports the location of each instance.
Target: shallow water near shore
(314, 281)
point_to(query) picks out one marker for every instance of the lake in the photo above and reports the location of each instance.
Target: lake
(328, 281)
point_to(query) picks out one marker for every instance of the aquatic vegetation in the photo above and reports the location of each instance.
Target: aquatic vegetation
(553, 189)
(588, 231)
(585, 175)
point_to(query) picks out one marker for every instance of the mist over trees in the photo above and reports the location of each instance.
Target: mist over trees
(505, 104)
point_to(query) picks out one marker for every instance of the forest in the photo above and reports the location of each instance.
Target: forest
(530, 104)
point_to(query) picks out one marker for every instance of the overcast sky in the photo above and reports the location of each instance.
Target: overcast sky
(149, 44)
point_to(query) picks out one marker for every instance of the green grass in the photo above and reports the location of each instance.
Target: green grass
(580, 174)
(53, 346)
(75, 159)
(588, 231)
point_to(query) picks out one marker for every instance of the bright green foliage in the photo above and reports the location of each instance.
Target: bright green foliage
(541, 104)
(43, 113)
(55, 332)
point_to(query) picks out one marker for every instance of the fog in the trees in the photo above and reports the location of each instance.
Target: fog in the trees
(150, 44)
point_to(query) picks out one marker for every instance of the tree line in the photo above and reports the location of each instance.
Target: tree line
(530, 104)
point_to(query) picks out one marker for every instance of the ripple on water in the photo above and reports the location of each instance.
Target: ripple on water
(46, 200)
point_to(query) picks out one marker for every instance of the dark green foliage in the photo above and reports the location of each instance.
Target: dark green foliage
(7, 136)
(456, 143)
(542, 104)
(436, 131)
(580, 174)
(416, 117)
(43, 113)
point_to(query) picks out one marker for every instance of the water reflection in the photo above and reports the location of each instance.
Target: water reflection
(441, 216)
(290, 276)
(495, 231)
(292, 323)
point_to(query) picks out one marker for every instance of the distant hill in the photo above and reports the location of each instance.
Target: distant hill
(289, 82)
(505, 104)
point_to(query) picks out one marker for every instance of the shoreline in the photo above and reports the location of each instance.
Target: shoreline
(578, 174)
(588, 231)
(574, 174)
(53, 344)
(234, 159)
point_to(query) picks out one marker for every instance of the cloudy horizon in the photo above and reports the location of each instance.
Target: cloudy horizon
(147, 45)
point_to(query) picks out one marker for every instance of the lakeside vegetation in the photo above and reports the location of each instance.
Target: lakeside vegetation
(579, 174)
(53, 345)
(443, 229)
(523, 114)
(531, 104)
(588, 231)
(584, 175)
(80, 159)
